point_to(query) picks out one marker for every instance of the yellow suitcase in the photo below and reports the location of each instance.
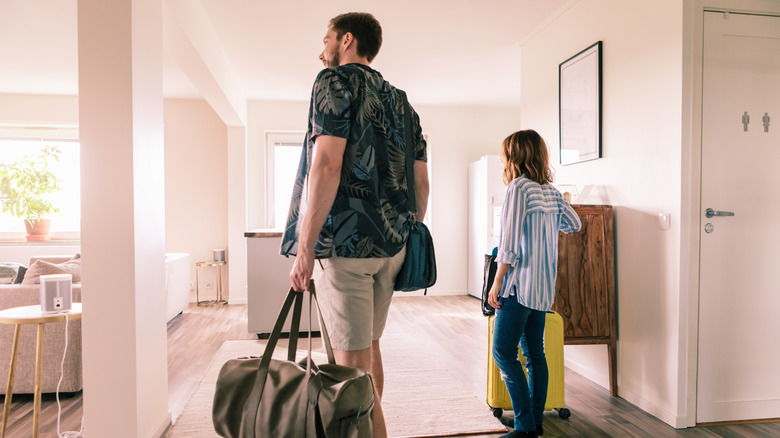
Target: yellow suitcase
(497, 395)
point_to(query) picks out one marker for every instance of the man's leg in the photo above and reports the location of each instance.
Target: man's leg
(345, 311)
(377, 369)
(363, 359)
(384, 280)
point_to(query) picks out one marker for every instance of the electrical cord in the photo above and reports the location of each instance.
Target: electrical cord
(68, 434)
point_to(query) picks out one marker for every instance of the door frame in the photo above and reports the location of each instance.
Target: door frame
(690, 209)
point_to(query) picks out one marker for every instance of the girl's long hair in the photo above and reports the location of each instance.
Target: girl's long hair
(525, 153)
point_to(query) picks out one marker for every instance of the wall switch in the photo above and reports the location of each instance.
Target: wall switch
(665, 221)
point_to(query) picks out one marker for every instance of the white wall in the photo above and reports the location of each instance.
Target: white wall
(196, 207)
(457, 136)
(39, 109)
(639, 174)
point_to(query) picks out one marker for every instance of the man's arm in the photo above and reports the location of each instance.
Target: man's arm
(324, 180)
(421, 188)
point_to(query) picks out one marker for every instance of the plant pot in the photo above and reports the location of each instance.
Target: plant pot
(38, 230)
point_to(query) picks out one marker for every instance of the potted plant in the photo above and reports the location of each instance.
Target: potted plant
(26, 187)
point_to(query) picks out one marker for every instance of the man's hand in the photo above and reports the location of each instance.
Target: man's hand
(302, 270)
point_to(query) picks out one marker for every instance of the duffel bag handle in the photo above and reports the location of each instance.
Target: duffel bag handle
(253, 402)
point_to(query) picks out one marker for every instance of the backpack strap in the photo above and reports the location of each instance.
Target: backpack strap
(409, 155)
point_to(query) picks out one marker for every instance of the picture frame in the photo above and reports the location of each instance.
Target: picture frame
(579, 106)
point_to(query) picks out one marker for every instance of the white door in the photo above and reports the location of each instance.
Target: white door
(739, 299)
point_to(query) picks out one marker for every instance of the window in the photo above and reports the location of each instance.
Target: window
(283, 152)
(15, 144)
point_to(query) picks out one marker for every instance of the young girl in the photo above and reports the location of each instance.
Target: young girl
(524, 289)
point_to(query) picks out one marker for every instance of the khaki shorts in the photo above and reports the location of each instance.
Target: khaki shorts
(355, 296)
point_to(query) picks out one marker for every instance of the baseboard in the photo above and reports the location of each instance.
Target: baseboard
(163, 426)
(598, 379)
(230, 300)
(677, 422)
(431, 292)
(397, 294)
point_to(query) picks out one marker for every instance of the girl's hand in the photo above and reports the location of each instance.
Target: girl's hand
(493, 295)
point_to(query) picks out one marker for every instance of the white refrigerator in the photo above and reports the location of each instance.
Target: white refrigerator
(486, 198)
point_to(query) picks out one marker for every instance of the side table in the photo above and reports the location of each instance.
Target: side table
(212, 263)
(30, 315)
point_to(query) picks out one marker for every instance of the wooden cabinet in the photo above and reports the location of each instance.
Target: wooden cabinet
(585, 286)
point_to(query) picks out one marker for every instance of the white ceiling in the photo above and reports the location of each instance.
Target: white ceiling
(441, 52)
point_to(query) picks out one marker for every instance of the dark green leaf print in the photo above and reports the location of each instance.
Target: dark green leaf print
(364, 165)
(345, 225)
(364, 247)
(330, 94)
(397, 167)
(357, 189)
(370, 111)
(389, 215)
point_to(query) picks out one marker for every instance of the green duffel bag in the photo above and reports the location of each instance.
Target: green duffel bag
(261, 397)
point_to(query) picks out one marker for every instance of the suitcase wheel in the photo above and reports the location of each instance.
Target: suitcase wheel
(498, 412)
(564, 413)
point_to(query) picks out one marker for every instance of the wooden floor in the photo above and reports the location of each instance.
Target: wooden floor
(452, 328)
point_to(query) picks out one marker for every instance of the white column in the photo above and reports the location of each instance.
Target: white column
(237, 217)
(123, 227)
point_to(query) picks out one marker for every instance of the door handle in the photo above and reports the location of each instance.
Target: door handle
(710, 213)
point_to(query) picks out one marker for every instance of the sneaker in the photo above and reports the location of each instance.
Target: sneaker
(510, 423)
(518, 434)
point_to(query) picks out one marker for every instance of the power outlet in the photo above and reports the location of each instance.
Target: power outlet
(58, 303)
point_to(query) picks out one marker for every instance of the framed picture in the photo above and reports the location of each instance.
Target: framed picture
(579, 94)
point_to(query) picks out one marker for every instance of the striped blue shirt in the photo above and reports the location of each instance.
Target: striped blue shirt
(532, 216)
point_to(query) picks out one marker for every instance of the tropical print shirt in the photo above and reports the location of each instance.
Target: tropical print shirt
(369, 217)
(531, 218)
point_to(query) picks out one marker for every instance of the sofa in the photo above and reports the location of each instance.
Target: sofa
(177, 289)
(16, 295)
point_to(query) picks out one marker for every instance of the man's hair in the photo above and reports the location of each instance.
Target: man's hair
(364, 27)
(525, 153)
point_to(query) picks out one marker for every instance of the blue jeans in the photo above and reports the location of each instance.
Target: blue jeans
(516, 325)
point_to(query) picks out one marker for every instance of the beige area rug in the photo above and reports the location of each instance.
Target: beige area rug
(422, 398)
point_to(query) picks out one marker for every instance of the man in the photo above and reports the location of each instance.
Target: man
(349, 205)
